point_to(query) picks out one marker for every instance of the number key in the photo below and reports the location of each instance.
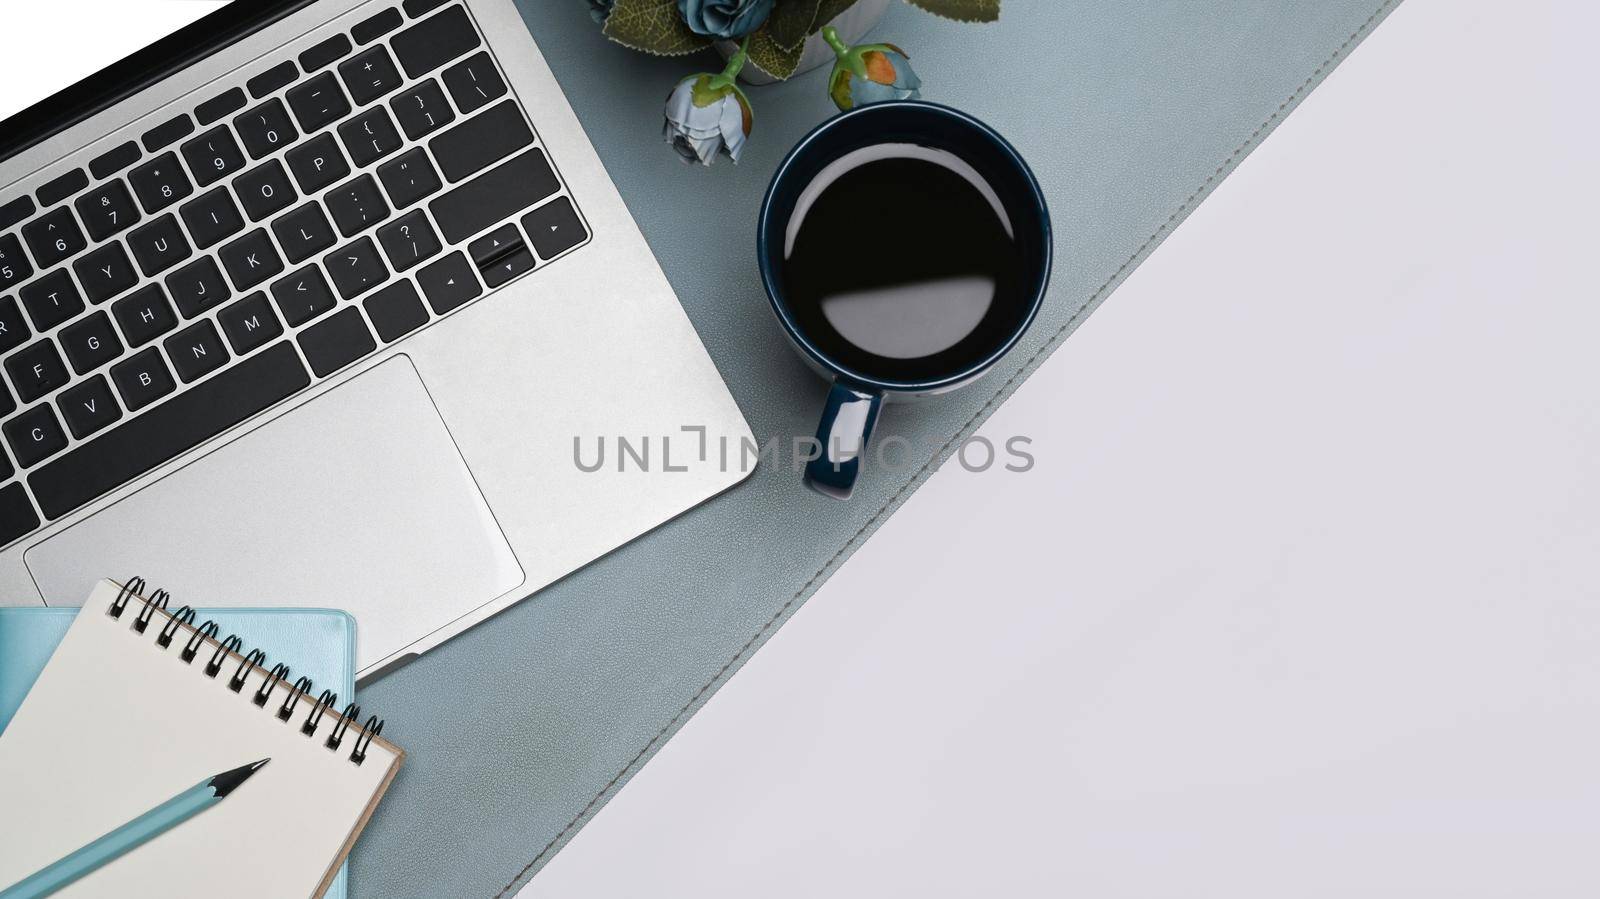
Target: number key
(265, 129)
(422, 110)
(53, 237)
(214, 155)
(160, 182)
(107, 210)
(14, 267)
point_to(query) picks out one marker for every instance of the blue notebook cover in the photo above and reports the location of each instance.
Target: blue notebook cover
(317, 643)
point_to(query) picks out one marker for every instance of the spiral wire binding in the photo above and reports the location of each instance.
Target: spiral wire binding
(248, 665)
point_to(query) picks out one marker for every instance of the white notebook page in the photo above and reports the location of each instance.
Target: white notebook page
(117, 725)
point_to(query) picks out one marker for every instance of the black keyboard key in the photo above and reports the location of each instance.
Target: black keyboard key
(142, 379)
(13, 330)
(303, 296)
(409, 177)
(370, 136)
(219, 107)
(337, 342)
(213, 155)
(160, 182)
(107, 210)
(114, 160)
(7, 406)
(35, 434)
(15, 211)
(416, 8)
(356, 268)
(279, 76)
(212, 217)
(158, 246)
(317, 163)
(499, 242)
(62, 186)
(90, 343)
(368, 30)
(326, 53)
(143, 442)
(89, 406)
(422, 110)
(105, 272)
(144, 315)
(196, 351)
(474, 83)
(35, 370)
(304, 232)
(265, 190)
(494, 196)
(251, 259)
(249, 323)
(16, 511)
(409, 240)
(14, 266)
(265, 129)
(370, 75)
(53, 237)
(555, 228)
(428, 45)
(517, 262)
(51, 300)
(356, 205)
(318, 102)
(197, 287)
(449, 282)
(396, 311)
(167, 133)
(488, 137)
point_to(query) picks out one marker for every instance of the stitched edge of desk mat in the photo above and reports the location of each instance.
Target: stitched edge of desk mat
(896, 499)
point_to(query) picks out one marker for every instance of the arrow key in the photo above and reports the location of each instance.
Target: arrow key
(555, 228)
(508, 266)
(449, 282)
(499, 242)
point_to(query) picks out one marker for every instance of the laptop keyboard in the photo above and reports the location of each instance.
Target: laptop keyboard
(337, 199)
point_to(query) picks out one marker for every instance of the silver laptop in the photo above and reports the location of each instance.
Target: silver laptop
(326, 303)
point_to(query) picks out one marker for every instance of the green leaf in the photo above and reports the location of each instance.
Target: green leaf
(827, 11)
(962, 10)
(653, 26)
(766, 55)
(791, 22)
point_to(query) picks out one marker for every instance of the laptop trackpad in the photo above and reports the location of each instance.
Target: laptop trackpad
(358, 500)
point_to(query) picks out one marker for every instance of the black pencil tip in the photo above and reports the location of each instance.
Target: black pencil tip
(228, 781)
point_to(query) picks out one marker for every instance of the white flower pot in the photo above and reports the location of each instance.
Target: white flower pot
(852, 24)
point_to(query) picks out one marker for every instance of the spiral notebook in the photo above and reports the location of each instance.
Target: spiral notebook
(139, 702)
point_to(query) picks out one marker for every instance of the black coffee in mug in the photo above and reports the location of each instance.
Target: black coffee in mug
(905, 247)
(901, 262)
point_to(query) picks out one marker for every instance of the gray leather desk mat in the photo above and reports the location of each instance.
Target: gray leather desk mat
(519, 730)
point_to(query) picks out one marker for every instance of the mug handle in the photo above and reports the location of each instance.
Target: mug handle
(842, 435)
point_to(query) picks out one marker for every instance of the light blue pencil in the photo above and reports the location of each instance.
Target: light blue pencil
(135, 833)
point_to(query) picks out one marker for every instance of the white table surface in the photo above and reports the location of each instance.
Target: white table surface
(1302, 597)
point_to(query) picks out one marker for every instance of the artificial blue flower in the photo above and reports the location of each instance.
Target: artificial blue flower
(869, 73)
(726, 20)
(707, 114)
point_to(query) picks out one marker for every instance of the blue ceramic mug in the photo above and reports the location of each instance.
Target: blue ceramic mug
(905, 247)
